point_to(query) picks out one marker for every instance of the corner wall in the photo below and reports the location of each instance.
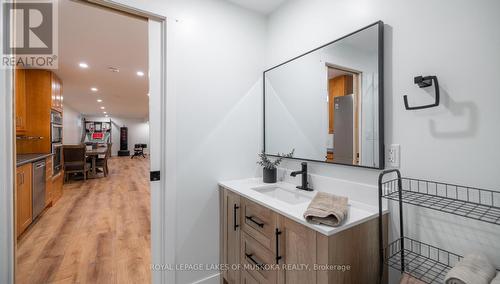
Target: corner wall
(72, 125)
(456, 142)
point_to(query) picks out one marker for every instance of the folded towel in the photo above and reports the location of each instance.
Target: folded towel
(496, 280)
(326, 209)
(407, 279)
(472, 269)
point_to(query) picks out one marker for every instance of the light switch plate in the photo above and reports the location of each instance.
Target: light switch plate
(393, 156)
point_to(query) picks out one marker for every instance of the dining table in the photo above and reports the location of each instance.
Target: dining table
(93, 154)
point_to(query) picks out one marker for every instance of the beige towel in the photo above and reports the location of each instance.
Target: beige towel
(407, 279)
(472, 269)
(496, 280)
(326, 209)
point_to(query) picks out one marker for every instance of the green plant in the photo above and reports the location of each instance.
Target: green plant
(269, 164)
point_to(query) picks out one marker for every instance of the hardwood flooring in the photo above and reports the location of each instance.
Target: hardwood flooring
(98, 232)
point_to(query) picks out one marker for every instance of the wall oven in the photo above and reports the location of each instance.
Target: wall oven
(56, 127)
(56, 158)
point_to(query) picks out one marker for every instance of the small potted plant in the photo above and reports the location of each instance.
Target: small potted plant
(269, 173)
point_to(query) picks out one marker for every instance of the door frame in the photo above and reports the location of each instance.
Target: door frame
(163, 222)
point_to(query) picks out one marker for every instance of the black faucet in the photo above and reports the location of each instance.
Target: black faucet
(302, 172)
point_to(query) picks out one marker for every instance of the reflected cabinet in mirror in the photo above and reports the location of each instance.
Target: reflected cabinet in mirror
(328, 103)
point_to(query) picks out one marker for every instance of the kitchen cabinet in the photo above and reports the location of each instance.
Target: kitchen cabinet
(57, 187)
(231, 234)
(48, 181)
(56, 96)
(23, 196)
(43, 92)
(274, 249)
(20, 91)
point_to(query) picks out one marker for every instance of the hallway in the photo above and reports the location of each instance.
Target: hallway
(99, 232)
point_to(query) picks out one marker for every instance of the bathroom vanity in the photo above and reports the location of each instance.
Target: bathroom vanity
(265, 239)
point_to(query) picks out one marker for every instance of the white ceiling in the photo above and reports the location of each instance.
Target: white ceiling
(261, 6)
(103, 38)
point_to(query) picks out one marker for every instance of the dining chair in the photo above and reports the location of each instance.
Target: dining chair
(74, 160)
(103, 162)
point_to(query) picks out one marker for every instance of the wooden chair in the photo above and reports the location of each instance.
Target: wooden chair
(103, 162)
(74, 161)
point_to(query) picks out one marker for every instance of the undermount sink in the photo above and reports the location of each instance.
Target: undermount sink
(290, 196)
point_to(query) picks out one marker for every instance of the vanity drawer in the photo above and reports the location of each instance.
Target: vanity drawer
(254, 255)
(259, 222)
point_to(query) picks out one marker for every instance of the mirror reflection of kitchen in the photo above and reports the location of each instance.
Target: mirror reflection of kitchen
(343, 113)
(325, 104)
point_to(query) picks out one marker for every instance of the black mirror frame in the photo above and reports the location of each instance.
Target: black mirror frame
(381, 139)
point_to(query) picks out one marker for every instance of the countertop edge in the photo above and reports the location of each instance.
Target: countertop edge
(34, 159)
(329, 233)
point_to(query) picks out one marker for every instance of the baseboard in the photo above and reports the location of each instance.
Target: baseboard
(212, 279)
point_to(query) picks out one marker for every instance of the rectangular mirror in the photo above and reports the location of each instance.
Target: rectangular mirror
(327, 104)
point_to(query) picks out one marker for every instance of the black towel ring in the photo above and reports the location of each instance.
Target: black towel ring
(424, 82)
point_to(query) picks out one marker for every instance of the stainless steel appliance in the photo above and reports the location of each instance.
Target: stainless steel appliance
(343, 133)
(57, 128)
(56, 133)
(56, 158)
(38, 188)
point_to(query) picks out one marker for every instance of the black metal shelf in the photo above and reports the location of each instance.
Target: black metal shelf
(425, 262)
(469, 202)
(422, 261)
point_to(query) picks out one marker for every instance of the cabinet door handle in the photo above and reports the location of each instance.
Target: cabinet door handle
(255, 222)
(277, 234)
(235, 207)
(250, 256)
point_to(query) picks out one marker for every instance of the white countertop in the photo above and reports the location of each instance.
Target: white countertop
(358, 212)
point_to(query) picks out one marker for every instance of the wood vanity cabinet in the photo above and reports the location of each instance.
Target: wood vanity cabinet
(295, 253)
(24, 211)
(230, 234)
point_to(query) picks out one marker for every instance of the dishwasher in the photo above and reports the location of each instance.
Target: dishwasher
(38, 188)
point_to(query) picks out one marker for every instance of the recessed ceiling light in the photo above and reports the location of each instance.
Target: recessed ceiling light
(99, 100)
(102, 107)
(104, 112)
(83, 65)
(148, 94)
(93, 89)
(140, 73)
(106, 115)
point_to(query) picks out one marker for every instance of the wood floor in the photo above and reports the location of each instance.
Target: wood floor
(98, 232)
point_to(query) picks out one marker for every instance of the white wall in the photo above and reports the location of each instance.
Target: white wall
(138, 132)
(217, 63)
(455, 142)
(215, 54)
(72, 125)
(6, 174)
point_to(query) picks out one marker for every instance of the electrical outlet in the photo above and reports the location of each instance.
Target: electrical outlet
(393, 156)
